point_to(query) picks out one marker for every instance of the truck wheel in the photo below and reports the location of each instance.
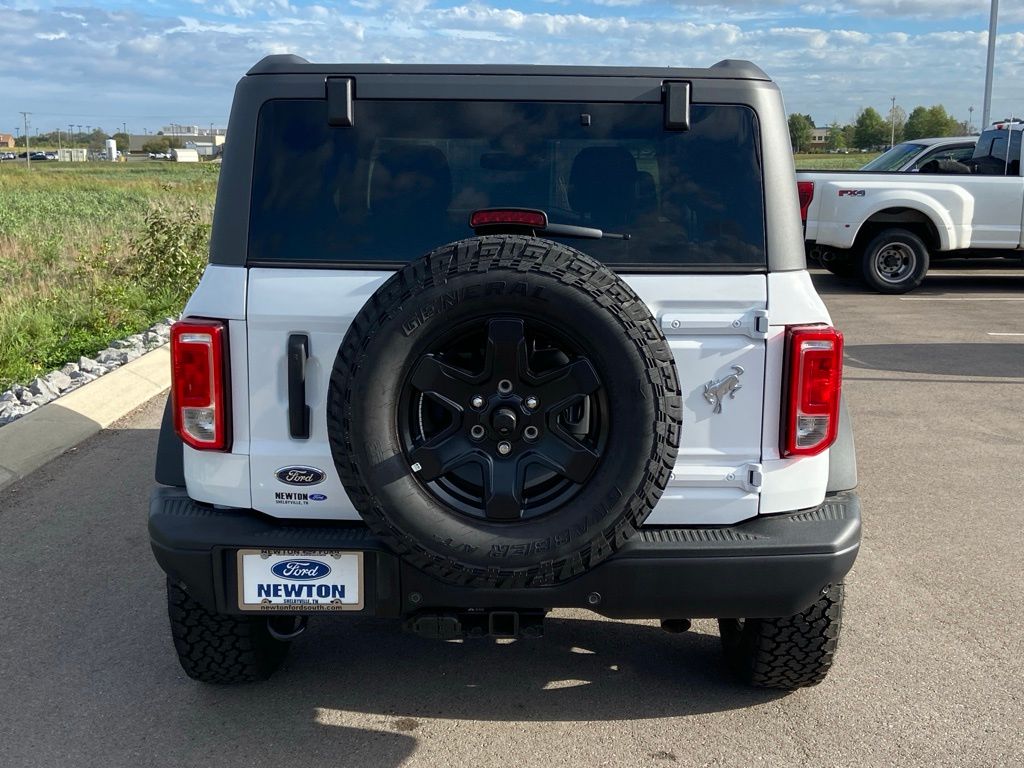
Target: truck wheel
(504, 412)
(895, 261)
(216, 648)
(789, 653)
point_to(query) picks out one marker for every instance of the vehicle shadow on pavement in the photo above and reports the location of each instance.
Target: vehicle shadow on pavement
(582, 670)
(93, 677)
(995, 359)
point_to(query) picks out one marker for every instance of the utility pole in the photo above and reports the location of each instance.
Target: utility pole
(970, 119)
(28, 152)
(59, 149)
(892, 121)
(986, 109)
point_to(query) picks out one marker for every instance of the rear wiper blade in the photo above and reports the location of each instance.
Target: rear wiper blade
(533, 221)
(570, 230)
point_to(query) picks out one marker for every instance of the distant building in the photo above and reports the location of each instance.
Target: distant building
(192, 130)
(137, 141)
(819, 138)
(204, 148)
(6, 140)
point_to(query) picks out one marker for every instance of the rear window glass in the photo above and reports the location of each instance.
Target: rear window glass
(406, 177)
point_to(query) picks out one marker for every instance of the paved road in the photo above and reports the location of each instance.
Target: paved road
(929, 674)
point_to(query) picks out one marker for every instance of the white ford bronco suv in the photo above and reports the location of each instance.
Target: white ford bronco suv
(475, 343)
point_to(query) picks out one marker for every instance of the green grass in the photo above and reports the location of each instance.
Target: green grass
(826, 162)
(86, 251)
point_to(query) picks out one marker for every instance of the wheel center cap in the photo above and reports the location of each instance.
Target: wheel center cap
(504, 421)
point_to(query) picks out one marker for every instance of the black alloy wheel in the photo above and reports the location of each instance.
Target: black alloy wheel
(504, 419)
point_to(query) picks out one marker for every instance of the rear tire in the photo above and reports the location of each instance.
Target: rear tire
(790, 652)
(895, 261)
(217, 648)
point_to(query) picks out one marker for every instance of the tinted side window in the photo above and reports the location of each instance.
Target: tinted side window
(408, 175)
(958, 154)
(993, 157)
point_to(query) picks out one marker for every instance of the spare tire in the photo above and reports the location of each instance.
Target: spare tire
(504, 411)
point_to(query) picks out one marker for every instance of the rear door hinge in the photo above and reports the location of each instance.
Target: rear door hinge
(749, 477)
(752, 323)
(677, 105)
(340, 101)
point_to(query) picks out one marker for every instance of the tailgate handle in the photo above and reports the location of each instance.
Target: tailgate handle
(298, 411)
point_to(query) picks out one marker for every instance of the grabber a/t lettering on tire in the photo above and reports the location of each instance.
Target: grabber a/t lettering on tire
(504, 411)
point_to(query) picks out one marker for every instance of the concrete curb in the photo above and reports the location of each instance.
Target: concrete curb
(44, 434)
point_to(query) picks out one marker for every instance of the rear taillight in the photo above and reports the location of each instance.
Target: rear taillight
(814, 364)
(805, 189)
(199, 383)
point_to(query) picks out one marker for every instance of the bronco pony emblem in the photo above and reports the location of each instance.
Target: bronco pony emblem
(715, 391)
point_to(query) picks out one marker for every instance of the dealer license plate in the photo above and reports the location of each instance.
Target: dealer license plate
(299, 580)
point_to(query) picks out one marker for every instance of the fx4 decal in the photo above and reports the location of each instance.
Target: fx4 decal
(851, 193)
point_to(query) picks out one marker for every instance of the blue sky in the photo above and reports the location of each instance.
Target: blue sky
(150, 62)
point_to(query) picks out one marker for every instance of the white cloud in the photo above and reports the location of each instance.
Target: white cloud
(185, 67)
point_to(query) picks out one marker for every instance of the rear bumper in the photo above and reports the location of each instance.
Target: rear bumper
(769, 566)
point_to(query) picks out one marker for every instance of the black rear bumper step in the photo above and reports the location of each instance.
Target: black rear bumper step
(774, 565)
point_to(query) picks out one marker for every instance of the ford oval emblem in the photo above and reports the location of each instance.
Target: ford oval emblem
(300, 570)
(300, 475)
(317, 497)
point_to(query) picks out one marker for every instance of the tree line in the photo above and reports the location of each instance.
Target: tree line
(95, 140)
(870, 130)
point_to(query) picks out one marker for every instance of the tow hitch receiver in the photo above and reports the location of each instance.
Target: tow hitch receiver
(455, 625)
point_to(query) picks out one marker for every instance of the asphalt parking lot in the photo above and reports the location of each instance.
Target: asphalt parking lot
(929, 671)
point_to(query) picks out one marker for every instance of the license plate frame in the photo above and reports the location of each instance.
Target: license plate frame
(346, 564)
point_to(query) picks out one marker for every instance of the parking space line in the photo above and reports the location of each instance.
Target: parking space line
(998, 333)
(961, 298)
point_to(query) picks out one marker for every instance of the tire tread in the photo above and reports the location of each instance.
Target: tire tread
(789, 652)
(217, 648)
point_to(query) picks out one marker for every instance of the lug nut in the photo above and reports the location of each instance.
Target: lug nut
(477, 401)
(532, 402)
(504, 386)
(476, 432)
(531, 432)
(504, 447)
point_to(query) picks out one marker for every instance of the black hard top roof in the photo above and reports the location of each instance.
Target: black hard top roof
(289, 64)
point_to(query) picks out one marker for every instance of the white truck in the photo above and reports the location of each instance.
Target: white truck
(886, 227)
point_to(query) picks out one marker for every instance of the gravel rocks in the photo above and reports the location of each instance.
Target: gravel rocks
(58, 380)
(89, 366)
(42, 388)
(19, 400)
